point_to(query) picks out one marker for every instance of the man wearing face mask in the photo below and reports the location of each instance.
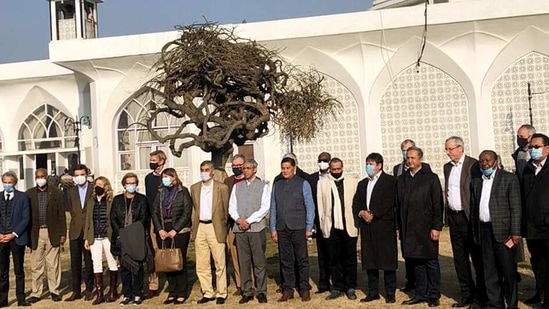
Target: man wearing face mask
(238, 176)
(14, 222)
(76, 203)
(48, 232)
(521, 155)
(209, 231)
(373, 204)
(534, 184)
(496, 217)
(335, 208)
(322, 249)
(153, 180)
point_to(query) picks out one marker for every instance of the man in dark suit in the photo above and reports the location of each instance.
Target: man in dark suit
(14, 223)
(535, 194)
(457, 177)
(373, 204)
(496, 218)
(77, 197)
(321, 243)
(48, 233)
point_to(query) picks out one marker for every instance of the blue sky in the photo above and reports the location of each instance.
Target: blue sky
(24, 24)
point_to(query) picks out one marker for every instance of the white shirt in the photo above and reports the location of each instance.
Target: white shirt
(540, 166)
(370, 188)
(454, 184)
(484, 208)
(256, 216)
(206, 196)
(8, 195)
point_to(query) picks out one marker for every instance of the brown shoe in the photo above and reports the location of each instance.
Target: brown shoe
(74, 296)
(285, 296)
(99, 298)
(113, 287)
(306, 296)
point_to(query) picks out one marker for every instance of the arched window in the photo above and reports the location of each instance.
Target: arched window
(43, 129)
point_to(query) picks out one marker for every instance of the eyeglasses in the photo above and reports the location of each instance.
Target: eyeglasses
(247, 168)
(451, 149)
(535, 147)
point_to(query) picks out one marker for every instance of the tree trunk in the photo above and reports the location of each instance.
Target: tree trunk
(220, 157)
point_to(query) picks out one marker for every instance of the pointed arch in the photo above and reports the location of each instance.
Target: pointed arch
(44, 128)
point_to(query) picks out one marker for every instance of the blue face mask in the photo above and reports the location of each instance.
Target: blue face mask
(9, 188)
(370, 170)
(404, 155)
(487, 172)
(535, 153)
(166, 181)
(131, 188)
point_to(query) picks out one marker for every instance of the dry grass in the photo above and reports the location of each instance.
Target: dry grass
(450, 290)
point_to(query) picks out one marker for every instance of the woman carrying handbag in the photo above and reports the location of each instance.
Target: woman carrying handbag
(171, 213)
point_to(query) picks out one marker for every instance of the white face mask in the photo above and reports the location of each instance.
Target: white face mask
(205, 176)
(323, 165)
(41, 182)
(79, 180)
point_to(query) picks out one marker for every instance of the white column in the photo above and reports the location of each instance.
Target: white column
(53, 21)
(78, 6)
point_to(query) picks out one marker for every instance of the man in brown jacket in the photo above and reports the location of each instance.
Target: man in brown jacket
(48, 232)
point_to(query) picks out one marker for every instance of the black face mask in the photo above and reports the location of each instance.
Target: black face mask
(522, 142)
(336, 175)
(237, 171)
(153, 166)
(99, 191)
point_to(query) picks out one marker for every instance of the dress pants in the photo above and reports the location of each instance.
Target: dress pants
(206, 244)
(500, 270)
(178, 281)
(544, 257)
(463, 247)
(77, 251)
(251, 255)
(292, 248)
(389, 282)
(231, 245)
(132, 283)
(343, 260)
(323, 253)
(45, 259)
(99, 246)
(535, 247)
(427, 272)
(18, 255)
(153, 276)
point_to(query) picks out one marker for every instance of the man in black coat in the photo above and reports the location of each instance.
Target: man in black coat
(535, 194)
(457, 178)
(496, 218)
(373, 204)
(419, 216)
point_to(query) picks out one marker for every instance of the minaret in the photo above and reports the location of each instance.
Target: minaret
(73, 19)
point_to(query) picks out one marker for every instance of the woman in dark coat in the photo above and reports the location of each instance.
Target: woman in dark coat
(128, 208)
(171, 213)
(419, 215)
(377, 228)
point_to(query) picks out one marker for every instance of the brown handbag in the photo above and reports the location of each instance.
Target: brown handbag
(168, 260)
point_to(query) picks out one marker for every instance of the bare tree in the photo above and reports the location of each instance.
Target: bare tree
(226, 89)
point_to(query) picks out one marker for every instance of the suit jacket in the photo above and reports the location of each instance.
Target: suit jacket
(20, 217)
(535, 197)
(55, 216)
(505, 205)
(469, 170)
(220, 209)
(78, 215)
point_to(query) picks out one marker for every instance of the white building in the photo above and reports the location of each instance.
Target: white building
(472, 80)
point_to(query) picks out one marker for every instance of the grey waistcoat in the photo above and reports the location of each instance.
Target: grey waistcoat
(290, 204)
(248, 201)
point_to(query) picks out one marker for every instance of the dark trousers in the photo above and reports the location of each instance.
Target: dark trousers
(389, 282)
(18, 255)
(544, 272)
(323, 253)
(463, 247)
(132, 283)
(292, 248)
(427, 272)
(343, 260)
(178, 281)
(77, 251)
(251, 253)
(500, 270)
(535, 247)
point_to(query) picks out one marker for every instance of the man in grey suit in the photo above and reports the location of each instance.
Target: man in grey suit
(457, 178)
(496, 216)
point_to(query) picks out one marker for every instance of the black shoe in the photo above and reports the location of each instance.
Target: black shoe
(390, 299)
(262, 298)
(434, 302)
(220, 300)
(370, 298)
(407, 288)
(23, 303)
(413, 301)
(246, 299)
(151, 294)
(33, 300)
(333, 295)
(180, 301)
(125, 301)
(204, 300)
(351, 294)
(138, 301)
(55, 297)
(536, 299)
(169, 300)
(322, 290)
(462, 304)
